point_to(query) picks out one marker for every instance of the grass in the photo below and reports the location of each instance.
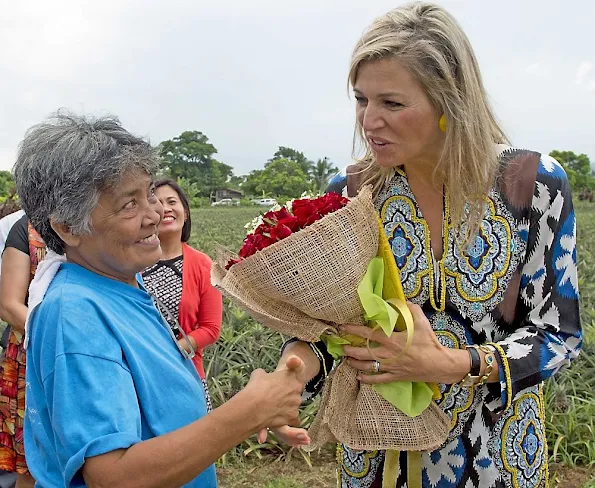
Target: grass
(245, 345)
(220, 225)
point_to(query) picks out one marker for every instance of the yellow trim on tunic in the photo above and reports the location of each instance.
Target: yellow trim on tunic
(506, 368)
(441, 306)
(496, 275)
(513, 470)
(420, 274)
(545, 447)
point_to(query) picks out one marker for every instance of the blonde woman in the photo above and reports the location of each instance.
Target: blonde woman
(484, 237)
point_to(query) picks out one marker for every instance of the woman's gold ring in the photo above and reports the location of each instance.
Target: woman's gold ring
(376, 367)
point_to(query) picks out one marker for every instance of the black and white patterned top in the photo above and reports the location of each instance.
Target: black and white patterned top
(515, 290)
(164, 280)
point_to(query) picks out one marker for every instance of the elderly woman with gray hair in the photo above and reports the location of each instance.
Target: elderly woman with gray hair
(112, 399)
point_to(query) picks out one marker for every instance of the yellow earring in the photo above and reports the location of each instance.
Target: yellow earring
(442, 123)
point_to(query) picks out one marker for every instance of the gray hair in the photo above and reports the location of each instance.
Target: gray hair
(66, 162)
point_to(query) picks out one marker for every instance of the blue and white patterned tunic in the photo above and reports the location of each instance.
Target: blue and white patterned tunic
(515, 288)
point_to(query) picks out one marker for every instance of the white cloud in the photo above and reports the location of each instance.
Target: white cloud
(582, 71)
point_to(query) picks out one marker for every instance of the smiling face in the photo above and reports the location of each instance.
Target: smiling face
(174, 214)
(124, 224)
(399, 122)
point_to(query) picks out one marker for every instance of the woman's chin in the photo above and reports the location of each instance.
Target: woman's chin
(386, 159)
(385, 162)
(149, 259)
(168, 230)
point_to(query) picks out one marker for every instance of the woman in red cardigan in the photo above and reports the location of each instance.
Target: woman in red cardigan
(181, 280)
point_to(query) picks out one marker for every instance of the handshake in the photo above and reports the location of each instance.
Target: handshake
(275, 399)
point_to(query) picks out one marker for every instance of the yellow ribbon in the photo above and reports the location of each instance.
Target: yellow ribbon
(414, 469)
(393, 293)
(391, 469)
(419, 394)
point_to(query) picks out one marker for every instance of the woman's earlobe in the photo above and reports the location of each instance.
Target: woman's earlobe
(64, 232)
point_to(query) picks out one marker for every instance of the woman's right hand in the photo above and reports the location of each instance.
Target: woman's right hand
(277, 396)
(308, 369)
(292, 436)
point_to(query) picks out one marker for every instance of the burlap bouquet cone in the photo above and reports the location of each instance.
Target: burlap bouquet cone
(304, 286)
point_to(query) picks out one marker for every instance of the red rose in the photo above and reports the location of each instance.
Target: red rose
(247, 249)
(305, 211)
(281, 223)
(261, 241)
(280, 232)
(331, 202)
(283, 213)
(291, 222)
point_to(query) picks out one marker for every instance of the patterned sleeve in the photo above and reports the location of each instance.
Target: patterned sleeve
(549, 336)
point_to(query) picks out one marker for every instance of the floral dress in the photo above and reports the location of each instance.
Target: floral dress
(515, 289)
(12, 368)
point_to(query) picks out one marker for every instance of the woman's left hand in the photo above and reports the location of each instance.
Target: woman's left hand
(184, 344)
(425, 360)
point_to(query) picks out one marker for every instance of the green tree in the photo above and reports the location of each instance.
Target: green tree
(578, 168)
(191, 189)
(280, 177)
(296, 156)
(6, 184)
(190, 156)
(237, 182)
(321, 172)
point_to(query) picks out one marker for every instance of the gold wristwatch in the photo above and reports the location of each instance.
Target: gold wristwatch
(473, 378)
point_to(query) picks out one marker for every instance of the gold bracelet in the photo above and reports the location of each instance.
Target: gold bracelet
(490, 361)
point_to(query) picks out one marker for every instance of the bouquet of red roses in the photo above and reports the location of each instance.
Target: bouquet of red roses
(279, 224)
(298, 273)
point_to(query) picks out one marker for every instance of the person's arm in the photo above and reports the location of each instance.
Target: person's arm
(325, 364)
(210, 314)
(303, 351)
(14, 287)
(549, 336)
(176, 458)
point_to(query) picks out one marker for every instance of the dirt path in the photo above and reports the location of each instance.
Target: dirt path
(297, 474)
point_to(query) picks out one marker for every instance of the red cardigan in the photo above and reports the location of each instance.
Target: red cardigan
(201, 305)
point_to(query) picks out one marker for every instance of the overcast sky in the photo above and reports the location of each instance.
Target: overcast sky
(256, 74)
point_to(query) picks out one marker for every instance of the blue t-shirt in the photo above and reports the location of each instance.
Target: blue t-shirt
(103, 373)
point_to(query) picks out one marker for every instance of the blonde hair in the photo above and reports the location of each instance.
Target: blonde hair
(431, 44)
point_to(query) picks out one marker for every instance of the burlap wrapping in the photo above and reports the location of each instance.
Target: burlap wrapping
(304, 286)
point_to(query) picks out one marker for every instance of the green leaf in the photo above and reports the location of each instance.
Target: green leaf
(376, 309)
(334, 345)
(409, 397)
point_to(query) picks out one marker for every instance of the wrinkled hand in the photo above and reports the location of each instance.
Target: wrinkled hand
(289, 433)
(425, 360)
(292, 436)
(277, 395)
